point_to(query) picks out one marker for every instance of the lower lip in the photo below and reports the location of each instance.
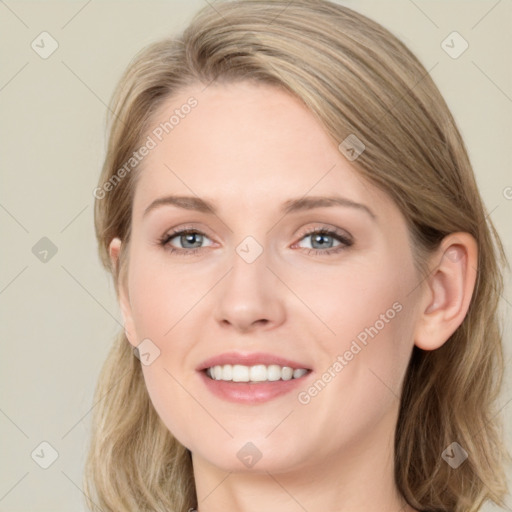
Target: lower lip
(251, 392)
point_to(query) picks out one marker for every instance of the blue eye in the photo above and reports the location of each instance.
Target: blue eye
(186, 236)
(193, 237)
(318, 236)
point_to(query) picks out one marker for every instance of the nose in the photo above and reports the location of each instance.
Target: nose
(249, 297)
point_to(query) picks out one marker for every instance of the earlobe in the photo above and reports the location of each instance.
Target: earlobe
(122, 293)
(113, 250)
(448, 290)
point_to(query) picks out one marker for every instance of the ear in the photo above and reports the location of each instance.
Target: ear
(448, 291)
(122, 293)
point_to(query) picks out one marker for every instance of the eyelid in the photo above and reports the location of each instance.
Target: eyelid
(323, 228)
(185, 227)
(180, 230)
(331, 230)
(345, 239)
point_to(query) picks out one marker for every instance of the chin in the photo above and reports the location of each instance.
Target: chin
(250, 457)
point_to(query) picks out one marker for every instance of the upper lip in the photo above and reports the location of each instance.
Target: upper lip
(249, 359)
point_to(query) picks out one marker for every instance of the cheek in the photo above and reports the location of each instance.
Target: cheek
(369, 311)
(364, 299)
(165, 304)
(378, 318)
(159, 304)
(161, 296)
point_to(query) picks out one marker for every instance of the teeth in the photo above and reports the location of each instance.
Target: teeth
(299, 372)
(256, 373)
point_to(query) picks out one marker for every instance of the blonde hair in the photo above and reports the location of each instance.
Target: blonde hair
(359, 79)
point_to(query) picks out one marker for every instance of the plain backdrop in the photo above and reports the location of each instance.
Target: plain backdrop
(58, 307)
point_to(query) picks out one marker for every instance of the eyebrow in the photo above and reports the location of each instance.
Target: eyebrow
(290, 206)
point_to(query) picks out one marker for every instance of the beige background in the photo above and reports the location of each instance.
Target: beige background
(59, 316)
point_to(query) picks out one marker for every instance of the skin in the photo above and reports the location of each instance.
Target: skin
(248, 148)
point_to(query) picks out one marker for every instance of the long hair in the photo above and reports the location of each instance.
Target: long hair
(357, 79)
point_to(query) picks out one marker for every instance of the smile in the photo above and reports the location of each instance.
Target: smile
(256, 373)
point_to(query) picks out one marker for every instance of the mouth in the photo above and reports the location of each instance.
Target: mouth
(255, 373)
(252, 379)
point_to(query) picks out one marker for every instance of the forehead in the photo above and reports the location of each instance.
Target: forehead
(240, 143)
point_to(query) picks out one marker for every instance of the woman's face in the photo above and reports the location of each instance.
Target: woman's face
(255, 282)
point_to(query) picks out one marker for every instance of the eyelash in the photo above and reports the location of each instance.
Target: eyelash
(345, 241)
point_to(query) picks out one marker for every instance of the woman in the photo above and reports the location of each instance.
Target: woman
(329, 340)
